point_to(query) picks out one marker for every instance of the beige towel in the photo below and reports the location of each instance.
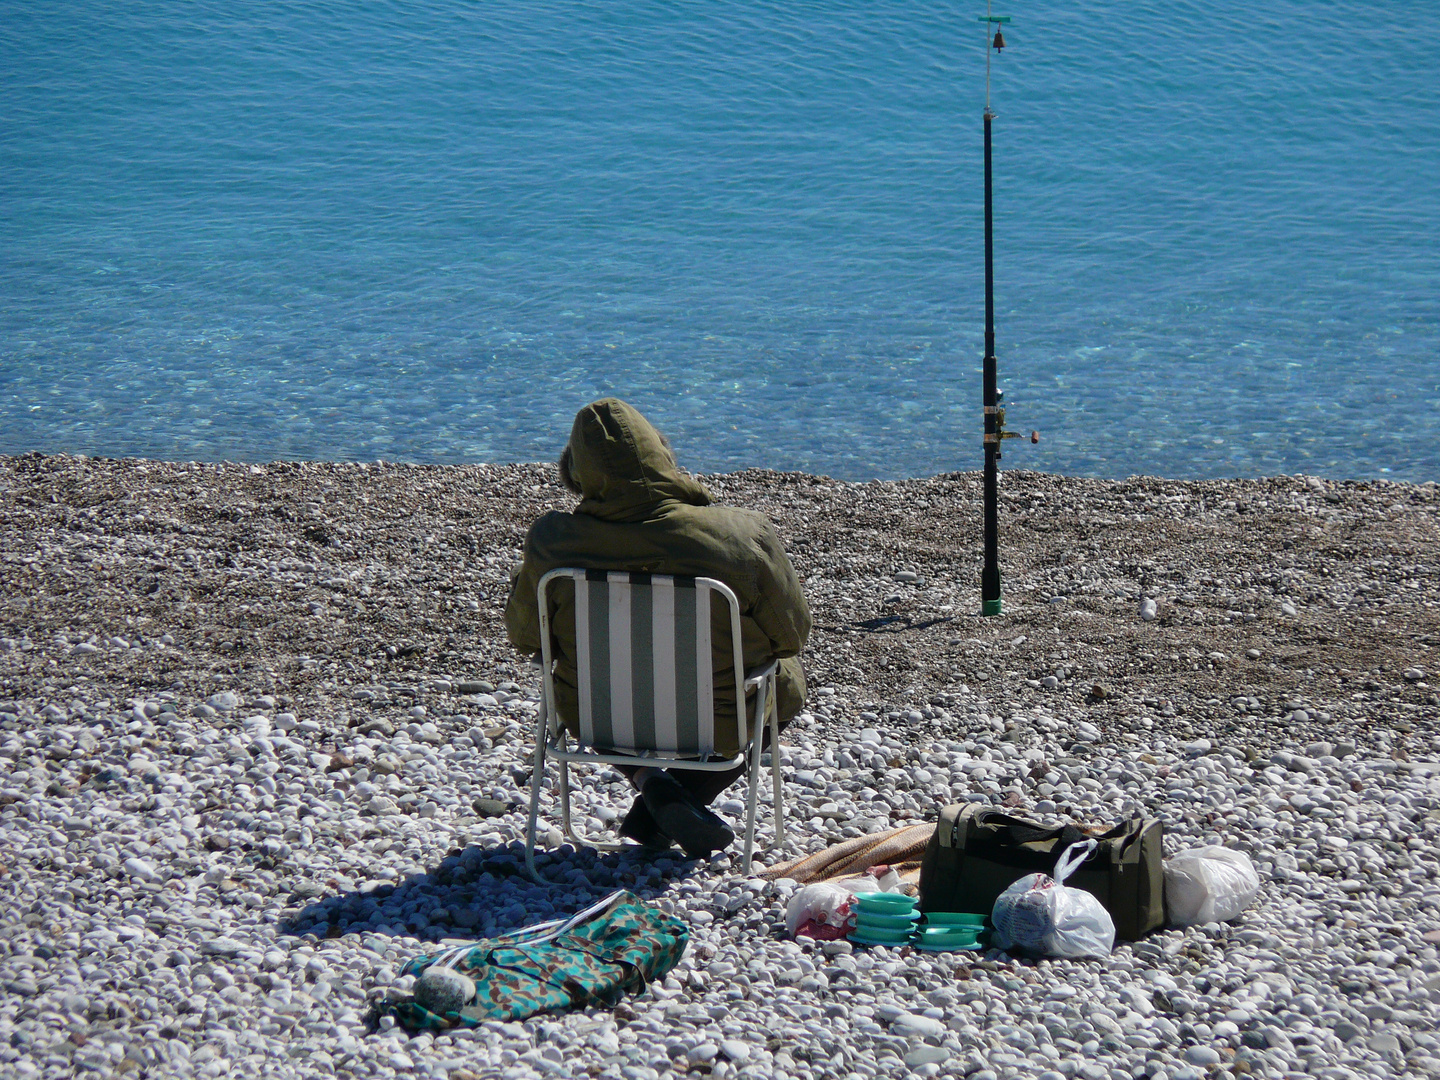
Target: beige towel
(898, 848)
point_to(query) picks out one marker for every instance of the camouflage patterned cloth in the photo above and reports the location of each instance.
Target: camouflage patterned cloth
(615, 946)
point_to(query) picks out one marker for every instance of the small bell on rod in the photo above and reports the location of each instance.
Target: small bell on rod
(999, 41)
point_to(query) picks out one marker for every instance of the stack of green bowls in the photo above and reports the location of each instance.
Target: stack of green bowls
(950, 931)
(884, 919)
(893, 919)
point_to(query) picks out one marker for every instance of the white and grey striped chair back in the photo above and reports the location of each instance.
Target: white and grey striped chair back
(647, 657)
(644, 660)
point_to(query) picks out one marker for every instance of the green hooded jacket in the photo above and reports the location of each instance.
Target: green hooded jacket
(639, 511)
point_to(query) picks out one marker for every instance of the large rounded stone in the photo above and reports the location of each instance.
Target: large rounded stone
(443, 990)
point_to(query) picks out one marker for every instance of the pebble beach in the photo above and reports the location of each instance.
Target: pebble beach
(262, 740)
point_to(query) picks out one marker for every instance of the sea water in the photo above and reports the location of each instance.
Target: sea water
(431, 231)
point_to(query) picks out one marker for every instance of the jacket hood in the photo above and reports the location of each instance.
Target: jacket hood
(623, 467)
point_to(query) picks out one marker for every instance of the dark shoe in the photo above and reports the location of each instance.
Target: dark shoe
(684, 818)
(640, 827)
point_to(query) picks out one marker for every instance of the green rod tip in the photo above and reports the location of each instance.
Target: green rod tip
(990, 607)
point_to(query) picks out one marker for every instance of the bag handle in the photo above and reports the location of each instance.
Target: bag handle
(1074, 855)
(1020, 830)
(1127, 834)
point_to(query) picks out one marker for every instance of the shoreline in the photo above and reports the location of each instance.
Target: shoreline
(399, 463)
(209, 684)
(1223, 559)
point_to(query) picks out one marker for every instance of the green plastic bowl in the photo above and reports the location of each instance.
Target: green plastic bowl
(869, 920)
(885, 903)
(954, 918)
(950, 935)
(881, 937)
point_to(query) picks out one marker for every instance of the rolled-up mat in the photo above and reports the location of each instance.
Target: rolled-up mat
(901, 849)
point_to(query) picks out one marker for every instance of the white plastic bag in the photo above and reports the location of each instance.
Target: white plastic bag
(1209, 884)
(875, 879)
(1041, 915)
(823, 904)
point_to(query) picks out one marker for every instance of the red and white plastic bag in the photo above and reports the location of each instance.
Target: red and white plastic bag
(822, 911)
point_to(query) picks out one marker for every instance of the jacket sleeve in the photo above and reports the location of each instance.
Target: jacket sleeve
(522, 611)
(780, 608)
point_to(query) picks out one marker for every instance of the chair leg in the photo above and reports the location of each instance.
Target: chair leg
(537, 778)
(565, 826)
(752, 788)
(775, 775)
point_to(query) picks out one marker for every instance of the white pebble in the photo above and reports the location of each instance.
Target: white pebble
(141, 869)
(913, 1024)
(735, 1050)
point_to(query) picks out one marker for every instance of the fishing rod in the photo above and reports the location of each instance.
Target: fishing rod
(995, 433)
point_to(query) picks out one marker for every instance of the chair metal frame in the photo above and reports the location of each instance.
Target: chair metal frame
(552, 738)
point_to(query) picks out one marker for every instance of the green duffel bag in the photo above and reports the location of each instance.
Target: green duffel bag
(977, 852)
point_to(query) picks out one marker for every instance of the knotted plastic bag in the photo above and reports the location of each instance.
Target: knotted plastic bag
(1040, 915)
(825, 910)
(1209, 884)
(822, 910)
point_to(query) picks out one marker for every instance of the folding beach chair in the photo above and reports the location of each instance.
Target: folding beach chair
(646, 688)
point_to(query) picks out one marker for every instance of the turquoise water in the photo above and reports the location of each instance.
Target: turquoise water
(430, 232)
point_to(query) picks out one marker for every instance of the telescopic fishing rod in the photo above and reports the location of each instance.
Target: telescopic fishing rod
(995, 432)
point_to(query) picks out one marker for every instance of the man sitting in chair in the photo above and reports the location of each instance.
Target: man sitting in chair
(639, 511)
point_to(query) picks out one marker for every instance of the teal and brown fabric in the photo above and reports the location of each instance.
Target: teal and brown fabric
(620, 945)
(640, 512)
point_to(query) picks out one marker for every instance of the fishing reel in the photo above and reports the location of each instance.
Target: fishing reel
(998, 438)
